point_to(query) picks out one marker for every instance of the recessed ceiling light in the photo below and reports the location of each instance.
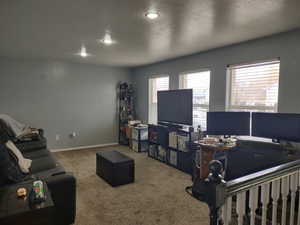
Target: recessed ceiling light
(107, 40)
(152, 15)
(83, 52)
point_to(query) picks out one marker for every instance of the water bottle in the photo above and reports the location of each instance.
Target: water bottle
(200, 133)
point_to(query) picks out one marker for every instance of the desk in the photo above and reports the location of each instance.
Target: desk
(207, 151)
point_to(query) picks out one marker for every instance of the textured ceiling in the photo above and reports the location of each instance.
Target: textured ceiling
(55, 29)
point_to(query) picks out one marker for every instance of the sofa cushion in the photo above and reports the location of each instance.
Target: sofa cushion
(28, 146)
(37, 154)
(43, 163)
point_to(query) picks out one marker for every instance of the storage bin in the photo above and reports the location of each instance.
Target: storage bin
(173, 157)
(162, 154)
(139, 146)
(152, 133)
(128, 131)
(140, 133)
(182, 143)
(173, 140)
(152, 151)
(163, 136)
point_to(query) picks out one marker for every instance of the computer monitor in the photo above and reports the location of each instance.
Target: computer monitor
(228, 123)
(278, 126)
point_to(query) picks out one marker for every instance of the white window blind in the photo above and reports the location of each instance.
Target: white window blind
(155, 84)
(200, 83)
(254, 87)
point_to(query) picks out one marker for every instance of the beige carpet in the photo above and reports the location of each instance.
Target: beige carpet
(156, 198)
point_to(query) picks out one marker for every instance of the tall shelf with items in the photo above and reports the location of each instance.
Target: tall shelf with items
(172, 146)
(126, 110)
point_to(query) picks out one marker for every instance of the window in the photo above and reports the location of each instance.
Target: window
(199, 82)
(155, 84)
(254, 87)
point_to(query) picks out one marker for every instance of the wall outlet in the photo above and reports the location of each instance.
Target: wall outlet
(73, 134)
(57, 137)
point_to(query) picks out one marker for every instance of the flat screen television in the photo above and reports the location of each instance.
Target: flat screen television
(175, 106)
(228, 123)
(279, 126)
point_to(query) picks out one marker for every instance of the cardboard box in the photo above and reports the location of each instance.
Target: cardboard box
(128, 131)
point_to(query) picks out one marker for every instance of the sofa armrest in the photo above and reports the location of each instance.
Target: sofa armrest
(63, 192)
(27, 179)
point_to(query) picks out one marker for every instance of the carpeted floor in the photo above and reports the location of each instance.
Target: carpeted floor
(156, 198)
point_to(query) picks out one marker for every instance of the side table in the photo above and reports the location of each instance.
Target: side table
(207, 154)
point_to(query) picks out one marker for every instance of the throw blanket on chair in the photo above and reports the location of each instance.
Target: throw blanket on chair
(16, 129)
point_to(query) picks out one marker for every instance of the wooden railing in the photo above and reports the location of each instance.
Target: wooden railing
(266, 197)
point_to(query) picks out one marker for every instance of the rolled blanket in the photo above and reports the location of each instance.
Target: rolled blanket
(23, 163)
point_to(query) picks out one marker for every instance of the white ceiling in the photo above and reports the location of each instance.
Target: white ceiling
(55, 29)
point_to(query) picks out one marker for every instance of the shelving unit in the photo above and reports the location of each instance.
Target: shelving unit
(126, 110)
(164, 147)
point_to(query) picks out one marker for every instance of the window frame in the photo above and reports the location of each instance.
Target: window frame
(150, 97)
(201, 70)
(229, 86)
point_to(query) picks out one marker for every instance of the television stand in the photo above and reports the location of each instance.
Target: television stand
(172, 126)
(172, 146)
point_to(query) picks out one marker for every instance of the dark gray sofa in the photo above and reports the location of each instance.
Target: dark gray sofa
(61, 184)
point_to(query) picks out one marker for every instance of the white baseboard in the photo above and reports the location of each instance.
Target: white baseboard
(83, 147)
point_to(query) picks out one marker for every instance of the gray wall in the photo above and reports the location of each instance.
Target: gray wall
(62, 98)
(286, 46)
(65, 97)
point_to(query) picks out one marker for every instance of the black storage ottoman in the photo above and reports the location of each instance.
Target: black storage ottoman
(115, 168)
